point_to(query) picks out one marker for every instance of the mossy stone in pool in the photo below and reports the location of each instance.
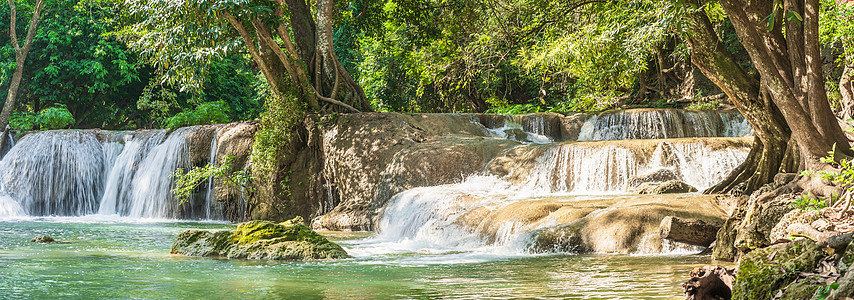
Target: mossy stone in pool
(291, 240)
(42, 239)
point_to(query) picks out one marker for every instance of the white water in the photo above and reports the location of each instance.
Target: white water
(525, 128)
(72, 173)
(210, 196)
(54, 173)
(663, 124)
(429, 219)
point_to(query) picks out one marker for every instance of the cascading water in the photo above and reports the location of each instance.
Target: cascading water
(493, 210)
(72, 173)
(213, 209)
(55, 173)
(663, 124)
(522, 128)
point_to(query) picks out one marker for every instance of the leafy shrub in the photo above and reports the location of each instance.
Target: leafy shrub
(806, 202)
(205, 113)
(50, 118)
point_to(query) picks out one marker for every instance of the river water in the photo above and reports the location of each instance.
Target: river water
(109, 257)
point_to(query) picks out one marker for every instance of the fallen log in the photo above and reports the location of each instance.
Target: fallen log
(709, 282)
(689, 231)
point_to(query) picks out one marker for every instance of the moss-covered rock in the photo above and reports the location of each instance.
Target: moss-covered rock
(259, 240)
(765, 271)
(42, 239)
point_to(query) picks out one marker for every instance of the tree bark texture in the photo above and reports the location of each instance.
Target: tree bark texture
(20, 58)
(746, 92)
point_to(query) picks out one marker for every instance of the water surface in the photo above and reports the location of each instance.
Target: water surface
(119, 258)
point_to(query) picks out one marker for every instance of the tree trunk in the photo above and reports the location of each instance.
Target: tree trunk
(767, 47)
(20, 58)
(745, 92)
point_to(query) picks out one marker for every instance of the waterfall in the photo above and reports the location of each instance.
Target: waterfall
(452, 216)
(663, 124)
(532, 186)
(210, 195)
(82, 172)
(522, 128)
(139, 184)
(55, 173)
(605, 167)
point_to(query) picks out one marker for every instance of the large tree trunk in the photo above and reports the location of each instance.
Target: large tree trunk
(808, 120)
(304, 65)
(772, 135)
(20, 58)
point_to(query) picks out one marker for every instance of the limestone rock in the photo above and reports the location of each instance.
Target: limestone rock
(291, 240)
(667, 187)
(370, 157)
(759, 220)
(660, 175)
(693, 232)
(621, 225)
(793, 217)
(42, 239)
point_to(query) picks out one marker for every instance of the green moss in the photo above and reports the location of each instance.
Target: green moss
(291, 239)
(760, 279)
(804, 289)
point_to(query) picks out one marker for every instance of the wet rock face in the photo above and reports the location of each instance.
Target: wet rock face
(42, 239)
(667, 187)
(289, 240)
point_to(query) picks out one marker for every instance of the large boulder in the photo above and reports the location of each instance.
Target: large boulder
(290, 240)
(667, 187)
(659, 175)
(770, 273)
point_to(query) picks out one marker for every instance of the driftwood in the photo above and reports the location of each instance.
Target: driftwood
(689, 231)
(709, 282)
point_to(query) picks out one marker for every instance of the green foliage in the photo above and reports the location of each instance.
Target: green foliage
(822, 292)
(47, 119)
(700, 105)
(187, 181)
(205, 113)
(514, 109)
(278, 122)
(806, 202)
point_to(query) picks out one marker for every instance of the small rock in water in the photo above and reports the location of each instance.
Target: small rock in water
(42, 239)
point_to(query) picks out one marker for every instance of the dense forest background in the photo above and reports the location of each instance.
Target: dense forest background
(90, 67)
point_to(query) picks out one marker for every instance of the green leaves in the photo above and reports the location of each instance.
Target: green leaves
(205, 113)
(187, 181)
(57, 117)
